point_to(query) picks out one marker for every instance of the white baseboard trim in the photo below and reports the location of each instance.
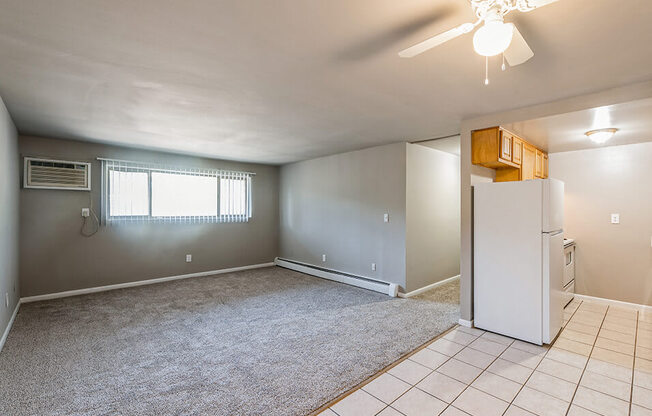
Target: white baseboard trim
(9, 325)
(464, 322)
(138, 283)
(387, 288)
(427, 288)
(612, 302)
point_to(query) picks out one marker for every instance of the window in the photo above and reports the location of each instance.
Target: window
(237, 203)
(134, 192)
(129, 193)
(178, 195)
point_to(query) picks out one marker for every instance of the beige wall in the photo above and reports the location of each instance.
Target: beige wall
(9, 180)
(433, 216)
(54, 256)
(334, 205)
(613, 261)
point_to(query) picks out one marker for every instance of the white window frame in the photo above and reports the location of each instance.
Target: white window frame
(131, 166)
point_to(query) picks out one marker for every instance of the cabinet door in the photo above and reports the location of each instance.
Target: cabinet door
(538, 169)
(545, 166)
(517, 150)
(505, 146)
(529, 160)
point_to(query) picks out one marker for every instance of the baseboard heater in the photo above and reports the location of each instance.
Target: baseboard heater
(387, 288)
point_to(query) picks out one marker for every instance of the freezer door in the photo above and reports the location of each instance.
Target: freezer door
(553, 205)
(553, 289)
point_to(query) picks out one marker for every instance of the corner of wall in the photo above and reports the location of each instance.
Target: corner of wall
(9, 219)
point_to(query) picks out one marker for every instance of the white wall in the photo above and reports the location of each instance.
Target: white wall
(334, 205)
(613, 261)
(9, 187)
(433, 216)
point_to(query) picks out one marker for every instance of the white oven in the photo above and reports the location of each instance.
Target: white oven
(569, 264)
(569, 271)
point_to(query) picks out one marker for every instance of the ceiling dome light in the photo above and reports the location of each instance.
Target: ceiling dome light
(601, 135)
(493, 38)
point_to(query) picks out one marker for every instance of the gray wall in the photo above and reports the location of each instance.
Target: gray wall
(613, 261)
(334, 205)
(9, 180)
(54, 256)
(433, 216)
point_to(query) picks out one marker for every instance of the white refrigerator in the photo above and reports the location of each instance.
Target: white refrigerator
(518, 258)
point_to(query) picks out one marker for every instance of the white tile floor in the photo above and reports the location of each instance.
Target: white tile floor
(601, 364)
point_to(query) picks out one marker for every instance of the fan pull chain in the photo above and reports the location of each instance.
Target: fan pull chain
(503, 65)
(486, 70)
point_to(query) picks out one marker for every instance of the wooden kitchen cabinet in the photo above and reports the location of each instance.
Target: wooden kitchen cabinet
(538, 167)
(493, 148)
(513, 158)
(517, 150)
(506, 141)
(529, 162)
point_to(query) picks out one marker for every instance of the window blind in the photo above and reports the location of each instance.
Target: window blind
(137, 192)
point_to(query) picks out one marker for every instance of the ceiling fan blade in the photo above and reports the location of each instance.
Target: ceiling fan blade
(436, 40)
(535, 4)
(518, 51)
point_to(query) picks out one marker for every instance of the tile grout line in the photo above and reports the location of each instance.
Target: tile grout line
(476, 377)
(511, 403)
(483, 370)
(435, 370)
(605, 375)
(631, 390)
(380, 372)
(423, 378)
(378, 398)
(588, 359)
(472, 381)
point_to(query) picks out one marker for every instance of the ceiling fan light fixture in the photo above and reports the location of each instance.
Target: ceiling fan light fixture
(601, 136)
(492, 38)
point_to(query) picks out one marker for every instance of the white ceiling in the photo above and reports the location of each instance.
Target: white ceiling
(284, 80)
(565, 132)
(445, 144)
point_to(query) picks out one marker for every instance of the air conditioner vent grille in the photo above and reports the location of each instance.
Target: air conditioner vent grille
(56, 174)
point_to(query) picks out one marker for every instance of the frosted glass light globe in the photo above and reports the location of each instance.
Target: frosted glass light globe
(600, 136)
(492, 38)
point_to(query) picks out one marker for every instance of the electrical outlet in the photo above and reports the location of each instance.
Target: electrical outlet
(373, 267)
(323, 257)
(188, 258)
(86, 212)
(615, 218)
(386, 218)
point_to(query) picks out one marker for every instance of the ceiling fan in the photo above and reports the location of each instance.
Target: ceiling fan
(494, 37)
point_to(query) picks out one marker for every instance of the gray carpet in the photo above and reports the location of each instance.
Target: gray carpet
(262, 342)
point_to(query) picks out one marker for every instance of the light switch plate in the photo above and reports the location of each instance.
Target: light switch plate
(373, 267)
(615, 218)
(386, 218)
(188, 258)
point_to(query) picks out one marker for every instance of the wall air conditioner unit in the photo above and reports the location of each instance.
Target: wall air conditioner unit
(56, 174)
